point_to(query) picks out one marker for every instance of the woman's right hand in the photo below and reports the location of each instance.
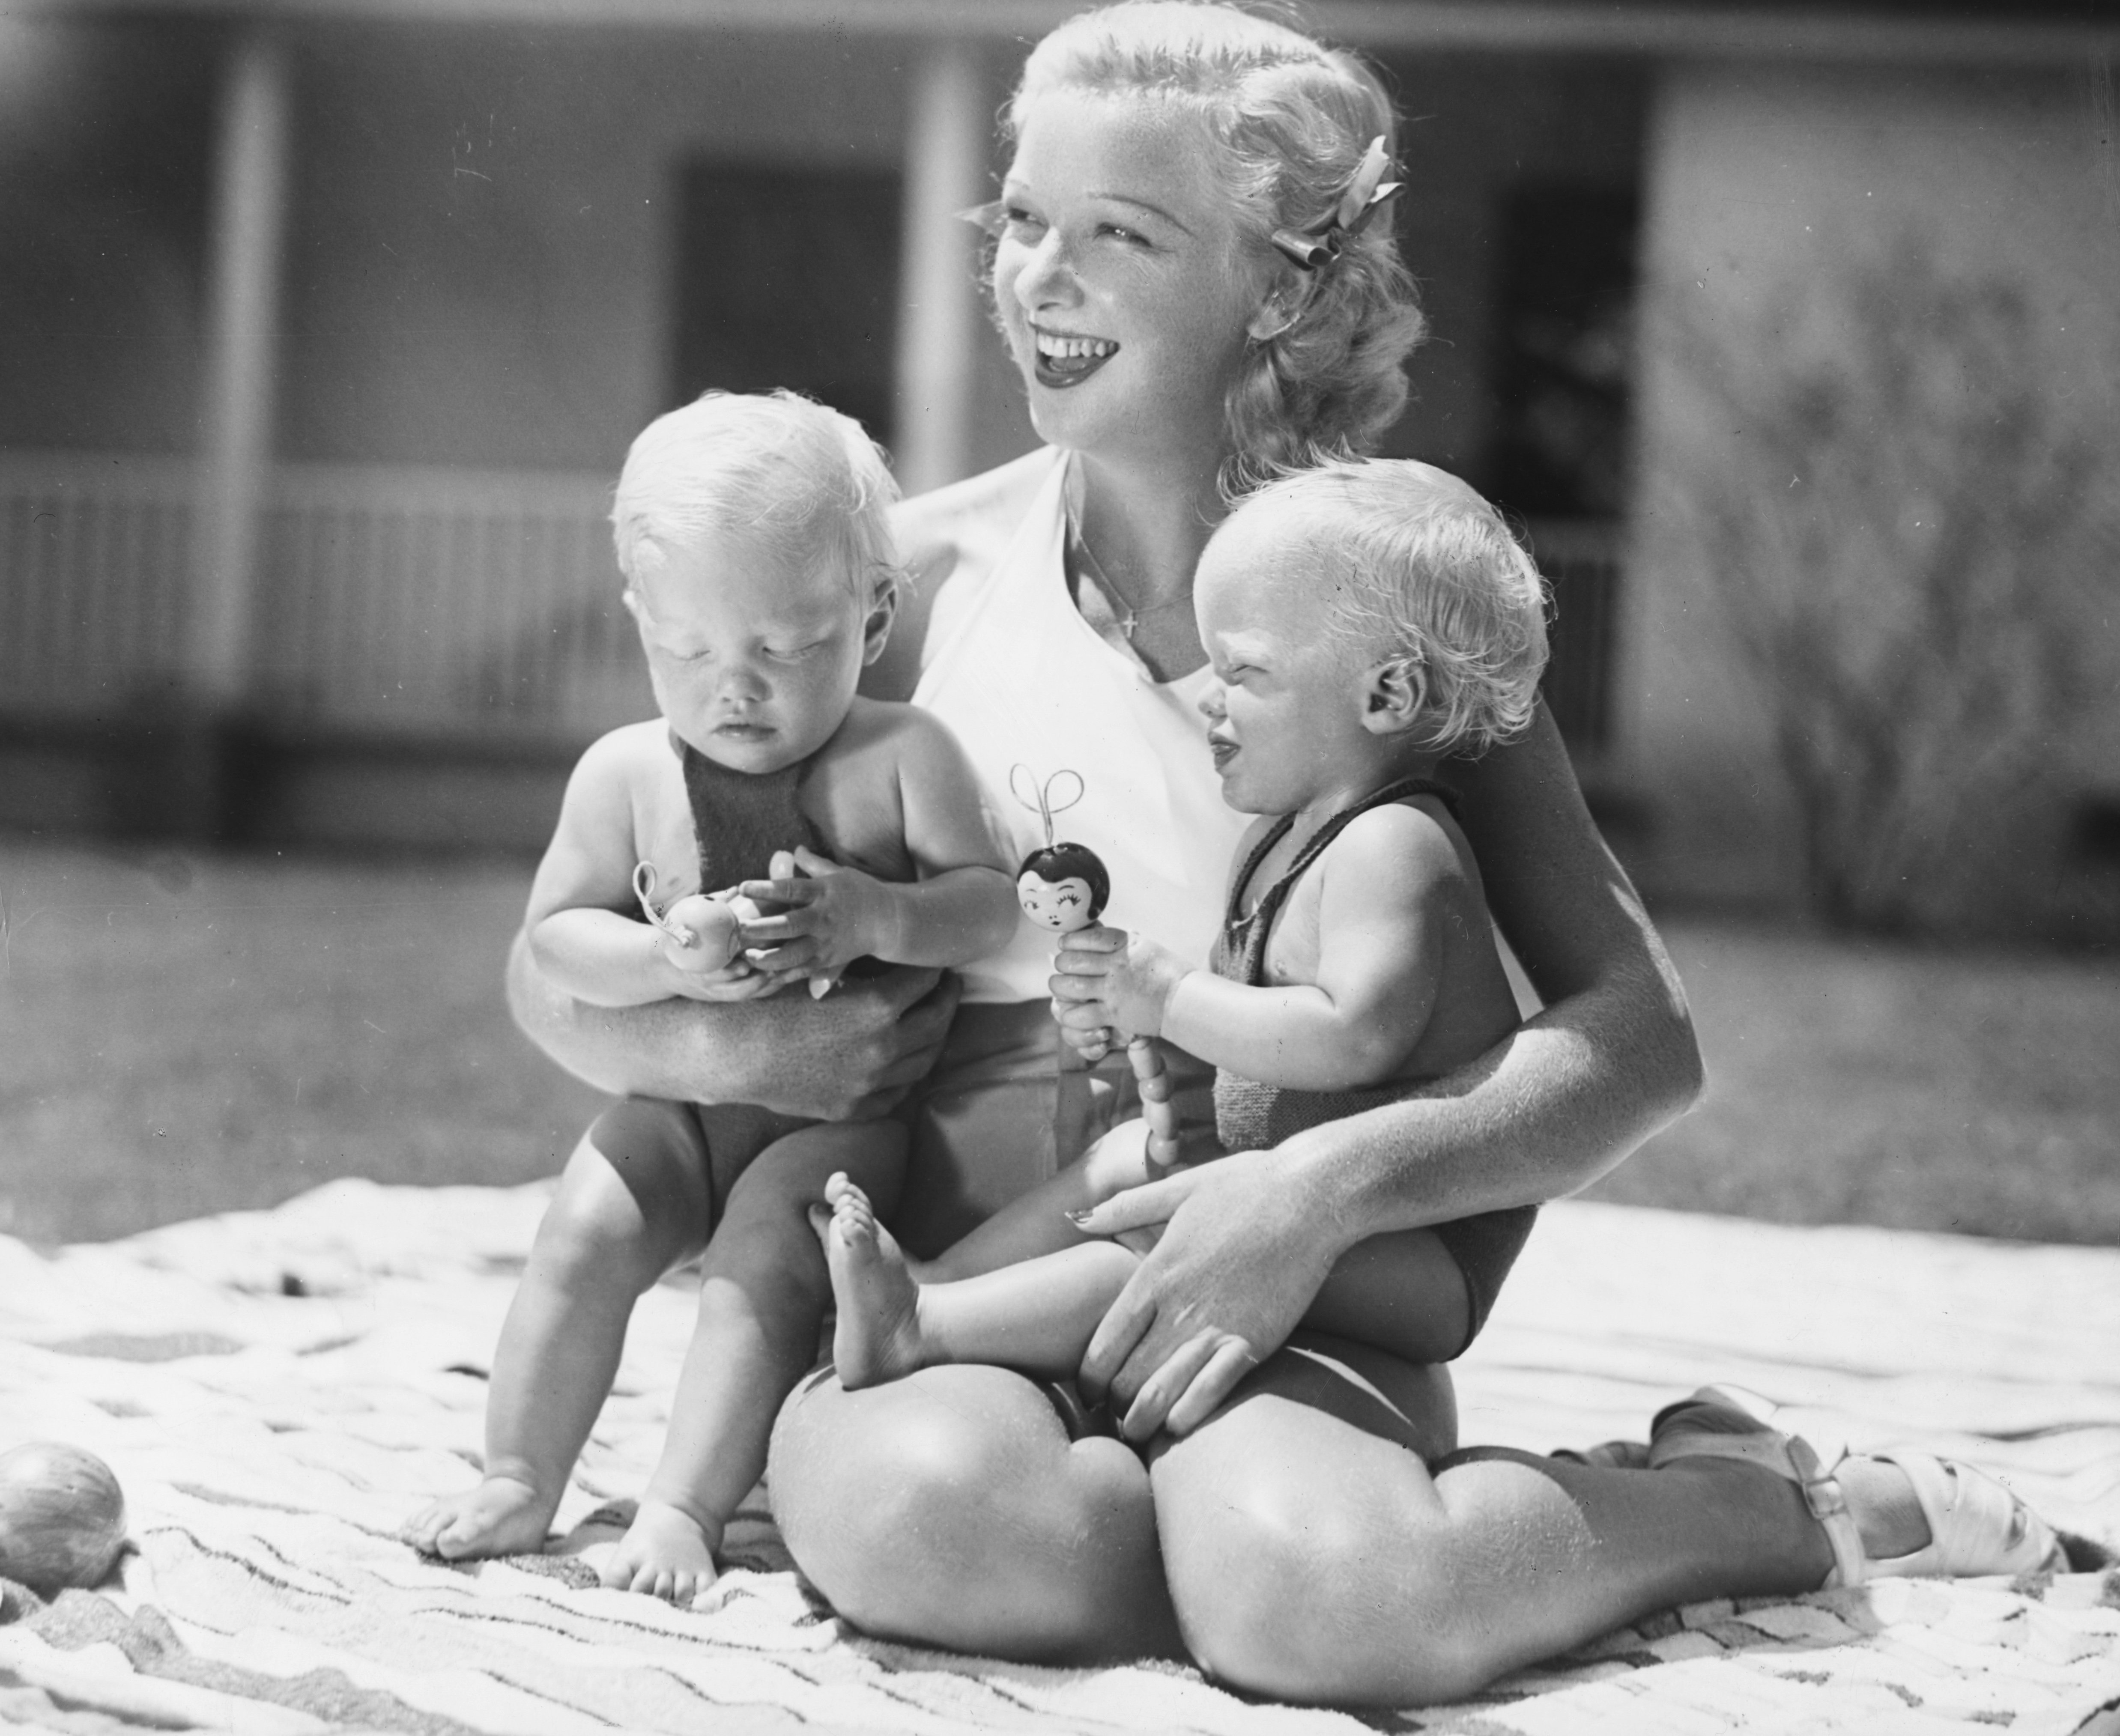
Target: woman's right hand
(851, 1054)
(1241, 1253)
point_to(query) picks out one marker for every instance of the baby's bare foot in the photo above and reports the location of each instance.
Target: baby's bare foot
(504, 1515)
(664, 1553)
(876, 1337)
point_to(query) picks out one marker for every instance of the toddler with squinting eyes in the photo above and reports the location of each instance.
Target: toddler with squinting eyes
(759, 568)
(1366, 620)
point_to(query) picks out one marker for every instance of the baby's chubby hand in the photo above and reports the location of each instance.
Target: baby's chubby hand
(831, 915)
(1107, 980)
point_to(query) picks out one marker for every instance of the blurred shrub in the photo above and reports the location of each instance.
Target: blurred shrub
(1908, 526)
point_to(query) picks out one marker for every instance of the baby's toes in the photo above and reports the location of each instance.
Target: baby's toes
(854, 1226)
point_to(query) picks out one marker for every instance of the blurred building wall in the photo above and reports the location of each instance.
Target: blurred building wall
(481, 263)
(102, 145)
(1762, 179)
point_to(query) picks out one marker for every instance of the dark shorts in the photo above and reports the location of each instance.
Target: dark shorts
(1484, 1248)
(1007, 1106)
(720, 1139)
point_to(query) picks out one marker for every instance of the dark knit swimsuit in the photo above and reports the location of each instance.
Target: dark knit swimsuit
(1250, 1116)
(741, 818)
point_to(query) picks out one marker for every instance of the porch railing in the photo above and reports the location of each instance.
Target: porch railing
(441, 601)
(394, 598)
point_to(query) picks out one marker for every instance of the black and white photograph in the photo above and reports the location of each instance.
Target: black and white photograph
(1241, 866)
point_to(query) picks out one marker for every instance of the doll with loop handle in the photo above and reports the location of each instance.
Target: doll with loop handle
(706, 929)
(1064, 887)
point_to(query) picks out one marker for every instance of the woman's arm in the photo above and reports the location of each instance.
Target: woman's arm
(853, 1053)
(1565, 1097)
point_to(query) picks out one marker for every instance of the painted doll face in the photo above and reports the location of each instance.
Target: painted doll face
(1063, 887)
(1062, 906)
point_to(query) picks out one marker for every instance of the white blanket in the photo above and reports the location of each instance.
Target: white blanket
(276, 1390)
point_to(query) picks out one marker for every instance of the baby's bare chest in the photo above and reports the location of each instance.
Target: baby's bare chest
(1294, 943)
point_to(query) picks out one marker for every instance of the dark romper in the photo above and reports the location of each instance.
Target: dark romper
(739, 818)
(1250, 1116)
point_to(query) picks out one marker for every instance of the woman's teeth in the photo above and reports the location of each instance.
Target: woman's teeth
(1072, 358)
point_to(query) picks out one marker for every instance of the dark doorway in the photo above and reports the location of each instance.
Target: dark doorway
(789, 277)
(1566, 356)
(1563, 376)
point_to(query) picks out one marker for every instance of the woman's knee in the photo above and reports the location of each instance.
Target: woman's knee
(1314, 1564)
(951, 1509)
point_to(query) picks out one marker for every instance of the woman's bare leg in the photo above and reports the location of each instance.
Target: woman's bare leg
(951, 1509)
(1313, 1555)
(633, 1201)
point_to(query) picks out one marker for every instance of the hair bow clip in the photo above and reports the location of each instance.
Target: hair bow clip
(1320, 243)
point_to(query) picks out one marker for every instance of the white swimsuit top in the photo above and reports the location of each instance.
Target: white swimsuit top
(1011, 667)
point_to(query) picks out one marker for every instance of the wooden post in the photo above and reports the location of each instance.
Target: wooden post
(939, 329)
(189, 772)
(242, 352)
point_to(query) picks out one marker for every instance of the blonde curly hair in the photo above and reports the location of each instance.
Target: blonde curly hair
(1423, 568)
(1289, 120)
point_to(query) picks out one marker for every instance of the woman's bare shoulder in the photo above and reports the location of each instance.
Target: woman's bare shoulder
(957, 533)
(1000, 496)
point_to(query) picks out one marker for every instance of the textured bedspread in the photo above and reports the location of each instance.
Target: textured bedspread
(275, 1390)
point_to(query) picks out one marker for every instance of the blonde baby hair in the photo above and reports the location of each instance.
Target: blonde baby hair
(785, 476)
(1424, 568)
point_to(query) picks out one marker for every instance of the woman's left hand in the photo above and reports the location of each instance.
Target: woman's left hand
(1241, 1258)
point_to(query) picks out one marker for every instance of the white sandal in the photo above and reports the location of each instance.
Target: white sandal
(1976, 1525)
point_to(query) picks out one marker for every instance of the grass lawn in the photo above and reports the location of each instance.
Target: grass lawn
(181, 1035)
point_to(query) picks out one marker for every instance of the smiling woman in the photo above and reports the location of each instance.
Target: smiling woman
(1192, 299)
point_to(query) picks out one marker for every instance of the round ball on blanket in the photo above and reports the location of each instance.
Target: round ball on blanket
(62, 1517)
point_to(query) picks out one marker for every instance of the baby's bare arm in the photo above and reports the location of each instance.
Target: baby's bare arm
(578, 929)
(962, 906)
(1396, 908)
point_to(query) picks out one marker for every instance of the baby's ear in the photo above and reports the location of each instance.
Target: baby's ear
(1394, 694)
(882, 611)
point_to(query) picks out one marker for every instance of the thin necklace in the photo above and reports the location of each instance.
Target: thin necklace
(1087, 562)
